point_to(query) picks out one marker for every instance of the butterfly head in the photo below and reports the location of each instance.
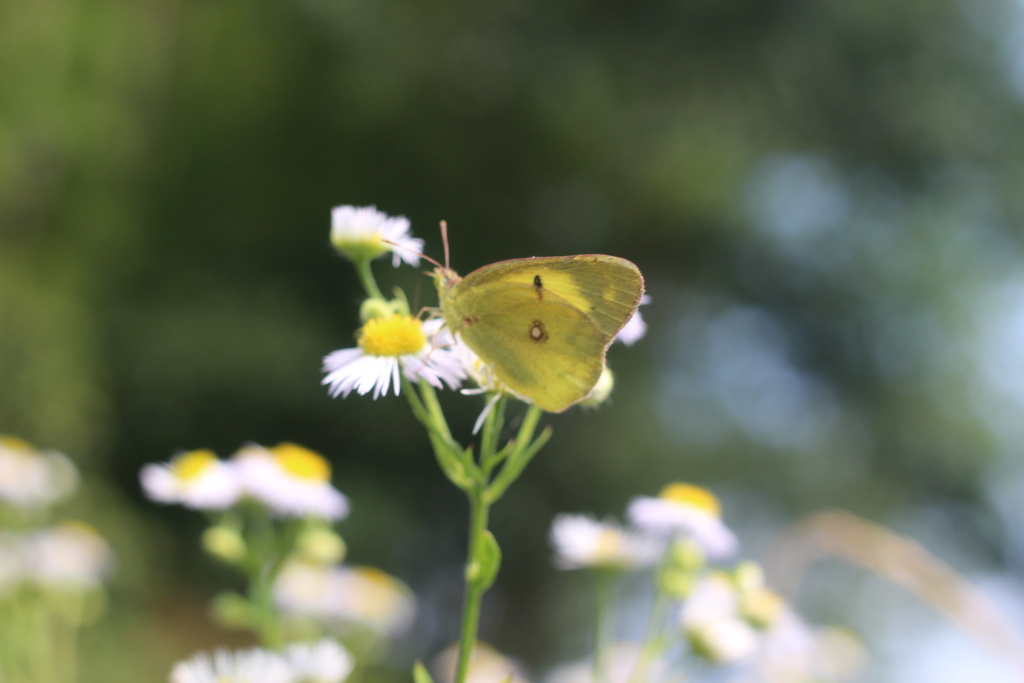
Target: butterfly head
(445, 278)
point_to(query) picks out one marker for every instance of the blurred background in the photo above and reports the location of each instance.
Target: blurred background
(824, 196)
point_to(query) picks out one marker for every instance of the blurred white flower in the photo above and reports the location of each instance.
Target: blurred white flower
(724, 641)
(581, 541)
(68, 555)
(344, 596)
(793, 652)
(360, 232)
(685, 510)
(620, 661)
(712, 622)
(375, 598)
(30, 478)
(388, 346)
(324, 661)
(304, 588)
(486, 665)
(245, 666)
(196, 479)
(635, 328)
(291, 480)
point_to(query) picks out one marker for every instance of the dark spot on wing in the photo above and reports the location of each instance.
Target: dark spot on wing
(469, 320)
(539, 286)
(537, 332)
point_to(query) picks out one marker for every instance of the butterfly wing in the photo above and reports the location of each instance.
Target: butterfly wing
(548, 351)
(544, 323)
(606, 288)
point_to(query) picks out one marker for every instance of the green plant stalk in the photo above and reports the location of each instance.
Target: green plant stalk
(268, 551)
(479, 512)
(605, 588)
(474, 477)
(653, 639)
(474, 592)
(366, 278)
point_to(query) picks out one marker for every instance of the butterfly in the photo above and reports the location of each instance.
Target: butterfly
(543, 324)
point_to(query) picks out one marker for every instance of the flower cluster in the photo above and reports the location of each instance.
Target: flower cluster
(67, 556)
(272, 511)
(723, 616)
(291, 481)
(52, 571)
(324, 661)
(681, 511)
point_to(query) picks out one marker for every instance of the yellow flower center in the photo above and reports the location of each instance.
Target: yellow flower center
(302, 462)
(14, 443)
(191, 465)
(692, 496)
(398, 335)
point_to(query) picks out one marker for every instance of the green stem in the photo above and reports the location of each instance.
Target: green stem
(605, 588)
(478, 513)
(268, 552)
(652, 640)
(366, 278)
(493, 424)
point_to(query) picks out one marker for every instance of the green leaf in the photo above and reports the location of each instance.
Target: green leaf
(486, 562)
(420, 673)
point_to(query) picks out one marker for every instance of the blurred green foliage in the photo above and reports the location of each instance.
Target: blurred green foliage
(823, 195)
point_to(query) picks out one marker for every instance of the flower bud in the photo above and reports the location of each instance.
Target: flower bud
(321, 545)
(601, 391)
(224, 543)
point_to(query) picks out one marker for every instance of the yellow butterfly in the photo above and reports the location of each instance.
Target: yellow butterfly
(543, 324)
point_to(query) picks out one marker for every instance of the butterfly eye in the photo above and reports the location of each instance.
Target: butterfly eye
(537, 331)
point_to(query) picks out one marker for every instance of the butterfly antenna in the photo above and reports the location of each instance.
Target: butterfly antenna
(422, 256)
(444, 239)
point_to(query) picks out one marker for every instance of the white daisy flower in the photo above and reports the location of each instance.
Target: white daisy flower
(685, 510)
(324, 661)
(12, 562)
(196, 479)
(635, 328)
(486, 665)
(69, 555)
(343, 596)
(360, 232)
(291, 480)
(712, 622)
(581, 541)
(245, 666)
(387, 346)
(724, 641)
(30, 478)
